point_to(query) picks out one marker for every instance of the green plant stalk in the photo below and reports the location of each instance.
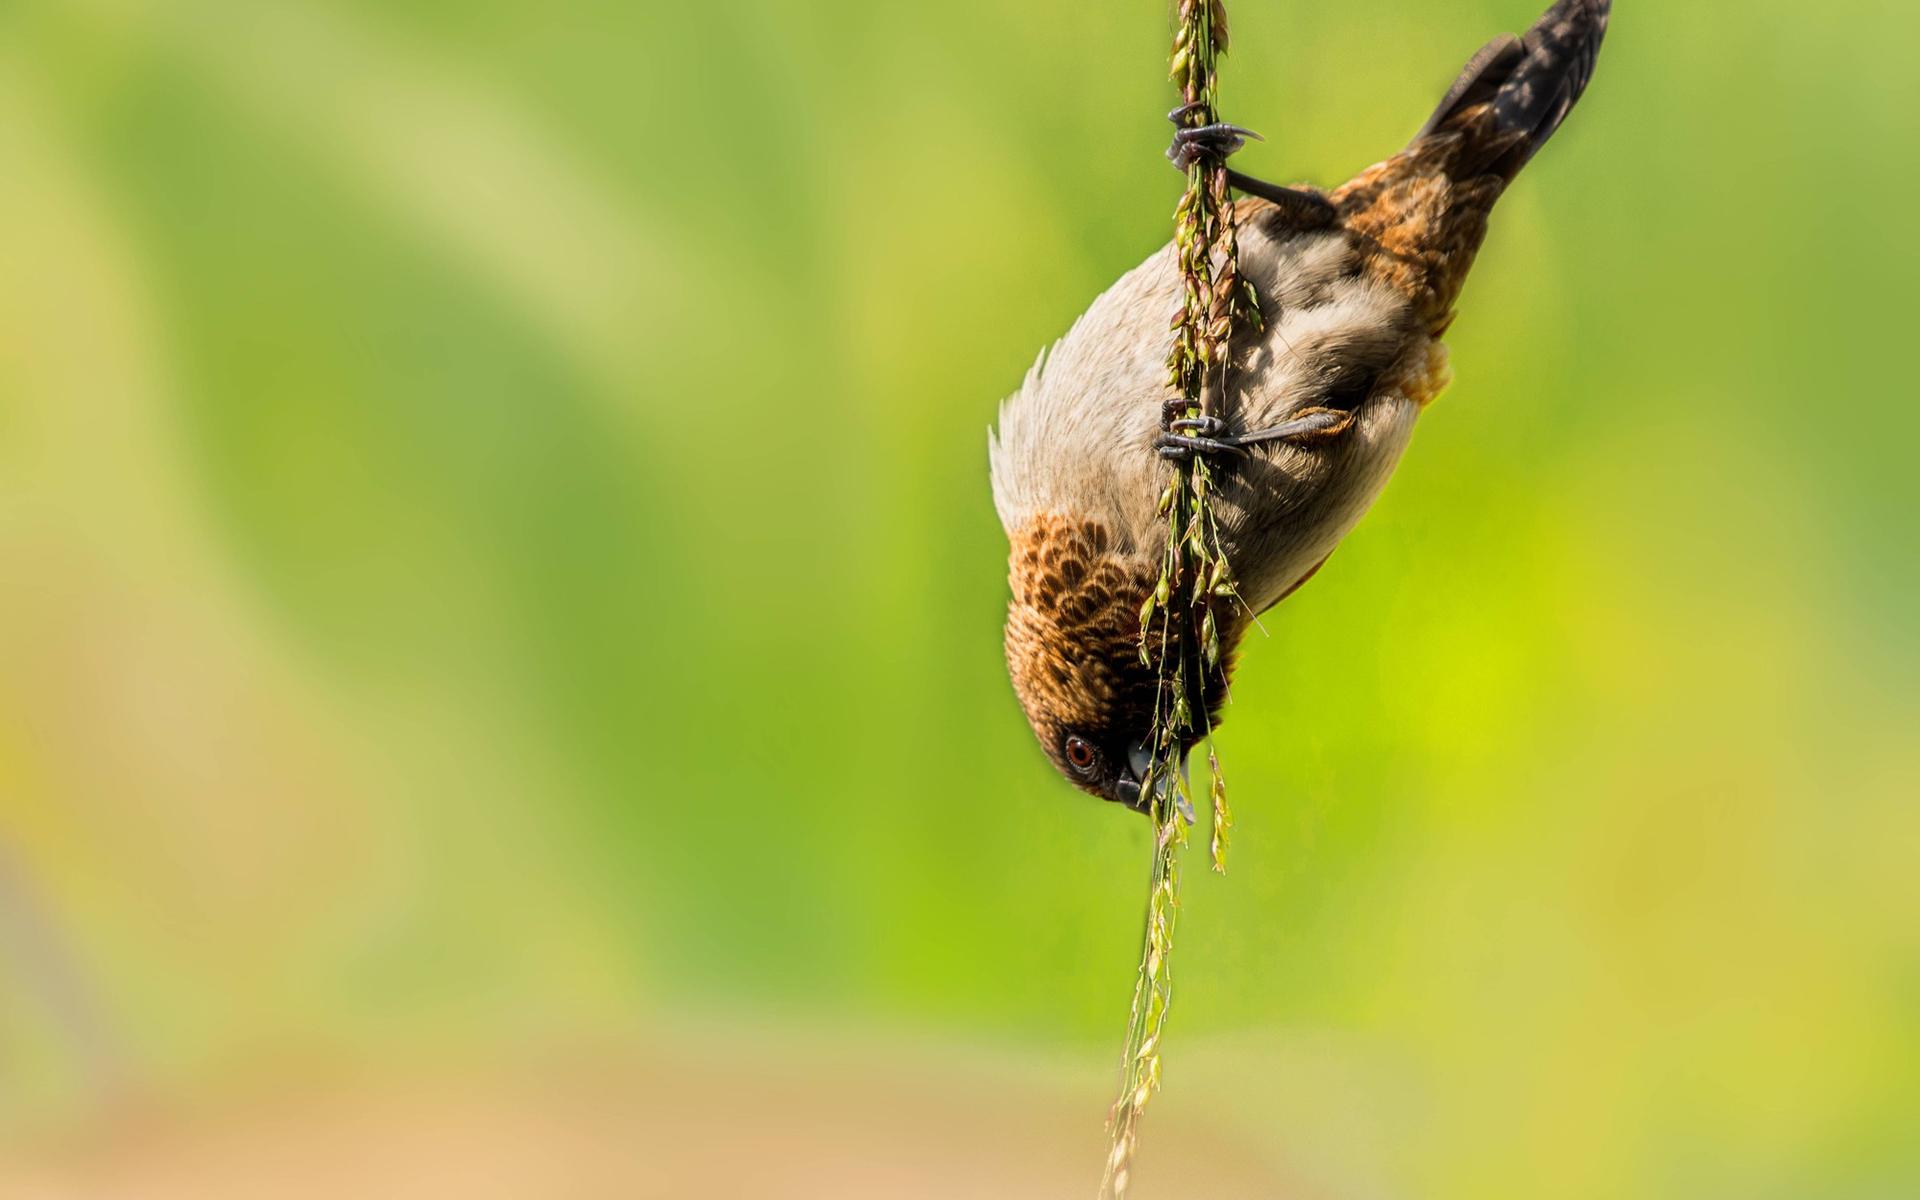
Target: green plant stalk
(1179, 625)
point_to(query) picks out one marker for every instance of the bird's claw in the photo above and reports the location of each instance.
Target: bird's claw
(1180, 447)
(1184, 436)
(1216, 140)
(1208, 435)
(1206, 427)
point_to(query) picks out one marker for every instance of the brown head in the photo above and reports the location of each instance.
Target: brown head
(1073, 651)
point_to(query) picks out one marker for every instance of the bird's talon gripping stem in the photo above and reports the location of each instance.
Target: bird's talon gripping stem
(1206, 427)
(1208, 435)
(1177, 447)
(1217, 142)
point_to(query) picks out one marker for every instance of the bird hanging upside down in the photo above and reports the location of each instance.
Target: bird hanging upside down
(1356, 287)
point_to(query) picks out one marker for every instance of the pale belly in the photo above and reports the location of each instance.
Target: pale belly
(1290, 507)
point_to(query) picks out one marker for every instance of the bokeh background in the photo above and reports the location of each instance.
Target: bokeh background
(500, 687)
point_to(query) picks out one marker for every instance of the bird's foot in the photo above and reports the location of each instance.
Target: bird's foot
(1215, 141)
(1207, 435)
(1189, 436)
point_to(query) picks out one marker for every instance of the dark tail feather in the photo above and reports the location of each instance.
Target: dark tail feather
(1516, 91)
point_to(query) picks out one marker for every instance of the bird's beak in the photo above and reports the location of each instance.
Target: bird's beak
(1140, 759)
(1132, 787)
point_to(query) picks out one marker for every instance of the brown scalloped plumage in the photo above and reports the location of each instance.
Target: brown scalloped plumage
(1073, 631)
(1073, 636)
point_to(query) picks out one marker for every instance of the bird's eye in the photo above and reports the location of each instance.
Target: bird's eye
(1081, 755)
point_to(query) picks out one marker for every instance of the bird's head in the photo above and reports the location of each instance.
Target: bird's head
(1073, 651)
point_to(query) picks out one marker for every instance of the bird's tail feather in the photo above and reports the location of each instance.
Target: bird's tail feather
(1513, 94)
(1508, 101)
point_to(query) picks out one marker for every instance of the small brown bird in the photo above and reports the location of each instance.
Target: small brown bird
(1356, 288)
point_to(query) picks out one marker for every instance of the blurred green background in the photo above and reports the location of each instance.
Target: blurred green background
(496, 553)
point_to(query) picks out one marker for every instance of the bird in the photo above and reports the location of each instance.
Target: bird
(1357, 287)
